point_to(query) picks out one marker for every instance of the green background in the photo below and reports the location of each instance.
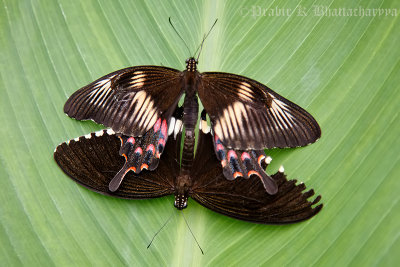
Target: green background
(345, 70)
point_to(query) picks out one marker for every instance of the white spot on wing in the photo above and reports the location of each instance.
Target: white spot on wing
(268, 160)
(102, 88)
(178, 128)
(217, 128)
(233, 119)
(224, 128)
(110, 131)
(99, 133)
(171, 126)
(138, 100)
(88, 136)
(151, 119)
(281, 113)
(233, 115)
(228, 121)
(147, 106)
(245, 91)
(204, 127)
(281, 169)
(138, 79)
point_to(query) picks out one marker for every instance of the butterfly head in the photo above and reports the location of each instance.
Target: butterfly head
(180, 201)
(191, 64)
(182, 191)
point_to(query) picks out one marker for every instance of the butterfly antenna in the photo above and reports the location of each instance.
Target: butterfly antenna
(173, 27)
(192, 234)
(159, 231)
(204, 38)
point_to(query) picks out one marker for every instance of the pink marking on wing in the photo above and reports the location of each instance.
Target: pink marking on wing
(131, 140)
(220, 147)
(245, 155)
(215, 138)
(164, 128)
(260, 158)
(150, 147)
(157, 125)
(232, 154)
(139, 150)
(161, 142)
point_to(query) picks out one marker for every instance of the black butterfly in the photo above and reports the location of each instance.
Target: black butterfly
(246, 117)
(94, 160)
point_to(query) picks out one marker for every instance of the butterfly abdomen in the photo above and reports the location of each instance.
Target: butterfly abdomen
(190, 114)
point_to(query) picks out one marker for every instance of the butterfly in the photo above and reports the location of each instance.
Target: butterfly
(245, 115)
(94, 160)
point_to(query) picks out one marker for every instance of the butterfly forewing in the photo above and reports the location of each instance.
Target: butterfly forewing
(246, 114)
(130, 101)
(93, 161)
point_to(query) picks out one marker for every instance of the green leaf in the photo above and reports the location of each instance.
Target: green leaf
(343, 68)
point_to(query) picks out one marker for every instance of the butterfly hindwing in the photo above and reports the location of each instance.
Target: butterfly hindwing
(130, 101)
(247, 200)
(246, 114)
(144, 152)
(240, 163)
(93, 161)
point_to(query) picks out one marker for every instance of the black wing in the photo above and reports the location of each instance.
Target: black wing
(94, 160)
(244, 199)
(130, 101)
(246, 114)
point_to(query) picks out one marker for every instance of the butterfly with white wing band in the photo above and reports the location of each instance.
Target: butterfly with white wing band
(245, 116)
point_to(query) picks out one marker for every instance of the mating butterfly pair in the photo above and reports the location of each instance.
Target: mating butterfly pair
(140, 104)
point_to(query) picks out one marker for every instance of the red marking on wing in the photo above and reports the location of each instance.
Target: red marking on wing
(237, 174)
(144, 166)
(150, 147)
(164, 128)
(157, 126)
(260, 158)
(252, 172)
(130, 169)
(139, 150)
(232, 154)
(131, 140)
(161, 142)
(245, 155)
(219, 147)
